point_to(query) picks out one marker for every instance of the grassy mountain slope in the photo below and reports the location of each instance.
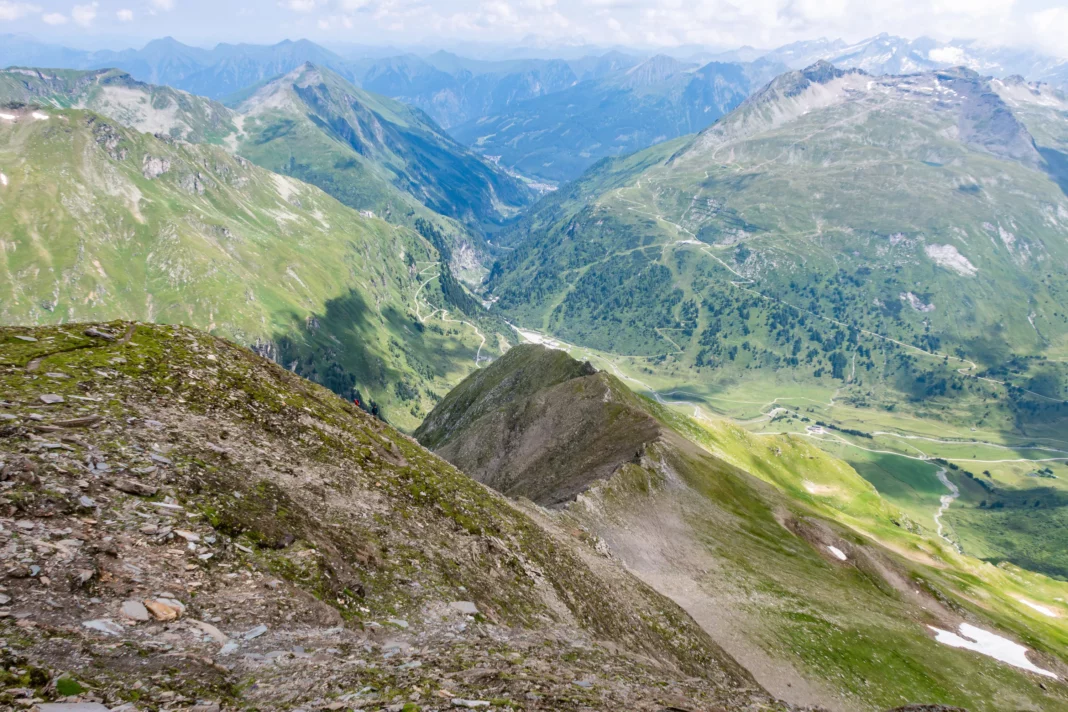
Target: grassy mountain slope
(294, 552)
(369, 152)
(739, 530)
(314, 125)
(816, 181)
(99, 221)
(558, 135)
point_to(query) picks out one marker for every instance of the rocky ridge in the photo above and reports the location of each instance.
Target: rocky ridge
(184, 525)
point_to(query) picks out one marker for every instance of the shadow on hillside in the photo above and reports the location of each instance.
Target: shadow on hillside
(333, 348)
(350, 346)
(1057, 165)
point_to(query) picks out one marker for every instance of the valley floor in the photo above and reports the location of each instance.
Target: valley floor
(903, 454)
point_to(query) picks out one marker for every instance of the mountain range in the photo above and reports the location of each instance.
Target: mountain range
(887, 54)
(450, 88)
(557, 136)
(549, 118)
(787, 436)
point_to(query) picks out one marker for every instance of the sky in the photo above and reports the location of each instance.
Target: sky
(715, 24)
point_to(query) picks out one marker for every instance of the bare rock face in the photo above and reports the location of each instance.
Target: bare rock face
(195, 183)
(153, 167)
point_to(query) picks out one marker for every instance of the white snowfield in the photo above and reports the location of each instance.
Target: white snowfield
(838, 553)
(1041, 609)
(8, 117)
(986, 643)
(40, 116)
(3, 180)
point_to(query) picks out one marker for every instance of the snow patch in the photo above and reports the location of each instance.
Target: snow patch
(949, 257)
(1041, 609)
(1007, 237)
(3, 180)
(838, 553)
(40, 116)
(291, 273)
(986, 643)
(8, 117)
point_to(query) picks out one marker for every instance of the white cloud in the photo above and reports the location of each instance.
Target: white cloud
(16, 10)
(335, 22)
(1050, 29)
(54, 18)
(1035, 24)
(84, 14)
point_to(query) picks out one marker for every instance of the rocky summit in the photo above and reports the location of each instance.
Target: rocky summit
(185, 525)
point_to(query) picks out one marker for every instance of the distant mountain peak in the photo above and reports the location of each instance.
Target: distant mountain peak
(822, 71)
(654, 70)
(659, 62)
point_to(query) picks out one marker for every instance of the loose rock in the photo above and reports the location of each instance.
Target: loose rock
(164, 609)
(466, 607)
(135, 611)
(105, 626)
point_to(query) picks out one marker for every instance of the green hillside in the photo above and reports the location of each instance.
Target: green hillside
(370, 152)
(314, 125)
(885, 255)
(784, 554)
(99, 221)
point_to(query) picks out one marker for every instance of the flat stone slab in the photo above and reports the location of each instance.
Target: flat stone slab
(135, 611)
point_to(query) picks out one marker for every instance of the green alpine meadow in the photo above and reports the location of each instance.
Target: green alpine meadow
(100, 221)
